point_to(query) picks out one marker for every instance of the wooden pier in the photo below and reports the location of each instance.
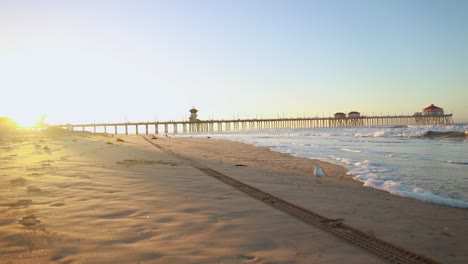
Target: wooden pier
(208, 126)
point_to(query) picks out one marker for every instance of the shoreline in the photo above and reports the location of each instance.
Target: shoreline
(133, 202)
(393, 218)
(433, 178)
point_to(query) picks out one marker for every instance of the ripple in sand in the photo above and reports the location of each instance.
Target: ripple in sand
(34, 169)
(145, 162)
(7, 221)
(118, 214)
(166, 219)
(33, 189)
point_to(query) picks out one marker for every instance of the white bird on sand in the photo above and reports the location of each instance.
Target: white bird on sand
(319, 173)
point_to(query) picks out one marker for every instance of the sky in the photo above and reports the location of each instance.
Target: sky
(92, 61)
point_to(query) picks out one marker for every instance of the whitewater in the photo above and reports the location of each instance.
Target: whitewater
(427, 163)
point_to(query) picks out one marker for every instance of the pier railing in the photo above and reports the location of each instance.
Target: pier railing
(256, 124)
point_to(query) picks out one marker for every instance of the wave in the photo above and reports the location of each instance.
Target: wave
(376, 175)
(444, 134)
(457, 162)
(396, 169)
(350, 150)
(411, 192)
(402, 132)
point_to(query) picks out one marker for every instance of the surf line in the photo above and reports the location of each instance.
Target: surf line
(385, 250)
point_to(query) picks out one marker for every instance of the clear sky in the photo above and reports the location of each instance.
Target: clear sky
(114, 61)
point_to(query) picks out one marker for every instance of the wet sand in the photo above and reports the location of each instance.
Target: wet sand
(93, 199)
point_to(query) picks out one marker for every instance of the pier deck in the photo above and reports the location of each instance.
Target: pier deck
(257, 124)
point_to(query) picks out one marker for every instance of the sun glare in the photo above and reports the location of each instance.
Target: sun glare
(27, 123)
(7, 124)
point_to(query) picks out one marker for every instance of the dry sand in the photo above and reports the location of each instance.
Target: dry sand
(92, 199)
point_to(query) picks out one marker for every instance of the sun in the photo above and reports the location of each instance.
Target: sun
(30, 122)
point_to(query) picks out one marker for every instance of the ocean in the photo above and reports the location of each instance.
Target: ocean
(427, 163)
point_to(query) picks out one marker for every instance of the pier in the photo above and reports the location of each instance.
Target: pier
(207, 126)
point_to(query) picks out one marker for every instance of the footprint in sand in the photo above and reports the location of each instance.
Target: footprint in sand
(30, 220)
(20, 181)
(136, 162)
(57, 204)
(47, 150)
(33, 189)
(247, 258)
(24, 203)
(145, 162)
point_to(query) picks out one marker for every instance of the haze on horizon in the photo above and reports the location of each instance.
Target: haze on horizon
(117, 61)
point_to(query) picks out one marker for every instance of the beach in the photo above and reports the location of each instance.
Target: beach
(83, 198)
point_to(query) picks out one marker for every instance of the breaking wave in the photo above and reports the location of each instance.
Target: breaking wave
(445, 134)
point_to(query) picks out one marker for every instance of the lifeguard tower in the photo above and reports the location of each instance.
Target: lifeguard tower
(193, 114)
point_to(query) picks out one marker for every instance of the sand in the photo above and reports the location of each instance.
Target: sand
(84, 198)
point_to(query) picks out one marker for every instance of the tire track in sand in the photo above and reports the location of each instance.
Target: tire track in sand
(385, 250)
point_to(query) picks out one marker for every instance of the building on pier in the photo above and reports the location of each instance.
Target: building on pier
(340, 115)
(354, 114)
(193, 114)
(339, 119)
(432, 115)
(433, 110)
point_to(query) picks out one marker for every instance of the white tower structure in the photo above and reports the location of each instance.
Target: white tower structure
(193, 114)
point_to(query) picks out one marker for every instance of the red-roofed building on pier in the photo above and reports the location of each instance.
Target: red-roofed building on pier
(433, 115)
(433, 110)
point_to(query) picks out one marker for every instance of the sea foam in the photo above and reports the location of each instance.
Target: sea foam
(401, 160)
(405, 191)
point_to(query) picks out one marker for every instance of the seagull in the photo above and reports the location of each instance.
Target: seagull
(319, 173)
